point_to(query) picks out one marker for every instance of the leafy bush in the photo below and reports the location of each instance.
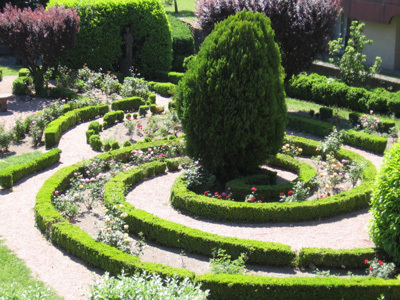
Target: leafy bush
(95, 126)
(143, 286)
(128, 104)
(165, 89)
(222, 263)
(95, 142)
(113, 116)
(61, 92)
(302, 28)
(325, 113)
(21, 85)
(102, 24)
(182, 42)
(231, 100)
(384, 202)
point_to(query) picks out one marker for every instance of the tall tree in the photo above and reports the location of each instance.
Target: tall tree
(38, 37)
(302, 28)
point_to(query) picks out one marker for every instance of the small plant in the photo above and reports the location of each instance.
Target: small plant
(289, 148)
(252, 197)
(145, 286)
(379, 269)
(18, 130)
(332, 142)
(130, 125)
(222, 196)
(110, 84)
(299, 193)
(221, 263)
(198, 179)
(6, 137)
(369, 123)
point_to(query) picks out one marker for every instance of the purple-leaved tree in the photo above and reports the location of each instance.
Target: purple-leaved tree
(38, 37)
(302, 27)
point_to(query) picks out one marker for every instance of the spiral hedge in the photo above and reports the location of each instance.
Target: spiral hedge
(80, 244)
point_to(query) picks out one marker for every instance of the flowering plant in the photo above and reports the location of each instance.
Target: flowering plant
(289, 148)
(251, 198)
(217, 195)
(332, 142)
(378, 268)
(299, 193)
(368, 123)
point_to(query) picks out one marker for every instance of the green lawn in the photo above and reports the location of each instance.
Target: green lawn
(16, 281)
(10, 71)
(185, 9)
(18, 159)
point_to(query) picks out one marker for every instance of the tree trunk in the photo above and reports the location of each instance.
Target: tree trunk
(176, 6)
(38, 82)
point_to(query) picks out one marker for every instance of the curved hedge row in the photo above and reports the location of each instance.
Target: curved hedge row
(322, 90)
(271, 193)
(54, 129)
(10, 175)
(358, 139)
(335, 205)
(180, 236)
(80, 244)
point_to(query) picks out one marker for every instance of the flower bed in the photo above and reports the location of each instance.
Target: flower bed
(335, 205)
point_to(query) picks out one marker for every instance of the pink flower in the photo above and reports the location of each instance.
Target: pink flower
(253, 189)
(216, 193)
(372, 127)
(162, 154)
(56, 192)
(366, 261)
(229, 188)
(260, 201)
(223, 194)
(87, 172)
(205, 193)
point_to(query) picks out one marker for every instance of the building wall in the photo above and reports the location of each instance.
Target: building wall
(386, 44)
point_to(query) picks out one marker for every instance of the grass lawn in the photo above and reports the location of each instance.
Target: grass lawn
(185, 9)
(16, 281)
(10, 71)
(18, 159)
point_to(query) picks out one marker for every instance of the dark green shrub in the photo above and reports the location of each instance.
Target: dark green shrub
(61, 92)
(95, 126)
(127, 144)
(165, 89)
(175, 77)
(89, 133)
(21, 85)
(113, 116)
(127, 104)
(385, 202)
(102, 24)
(135, 115)
(107, 146)
(231, 100)
(354, 118)
(182, 42)
(173, 164)
(143, 110)
(325, 113)
(115, 145)
(95, 142)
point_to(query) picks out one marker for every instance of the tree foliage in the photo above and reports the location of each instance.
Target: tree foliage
(302, 28)
(23, 3)
(352, 62)
(38, 37)
(231, 100)
(385, 204)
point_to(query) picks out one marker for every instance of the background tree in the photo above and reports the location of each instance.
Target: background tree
(231, 100)
(23, 3)
(352, 62)
(38, 37)
(302, 28)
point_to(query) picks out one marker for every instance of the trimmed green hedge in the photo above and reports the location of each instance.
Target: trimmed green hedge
(100, 41)
(165, 89)
(10, 175)
(54, 129)
(128, 104)
(216, 209)
(241, 287)
(322, 90)
(333, 258)
(182, 42)
(358, 139)
(111, 117)
(269, 193)
(179, 236)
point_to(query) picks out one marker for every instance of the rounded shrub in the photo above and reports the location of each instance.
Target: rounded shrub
(231, 100)
(385, 203)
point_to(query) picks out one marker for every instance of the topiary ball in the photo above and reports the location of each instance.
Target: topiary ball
(385, 206)
(231, 100)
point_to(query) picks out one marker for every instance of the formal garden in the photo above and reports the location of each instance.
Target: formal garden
(135, 165)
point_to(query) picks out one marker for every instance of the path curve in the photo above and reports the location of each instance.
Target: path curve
(69, 276)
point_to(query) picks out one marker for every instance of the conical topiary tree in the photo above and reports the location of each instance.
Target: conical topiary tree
(231, 100)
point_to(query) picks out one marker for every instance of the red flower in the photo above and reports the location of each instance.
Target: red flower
(227, 197)
(290, 192)
(253, 199)
(216, 193)
(366, 261)
(370, 268)
(205, 193)
(219, 196)
(380, 262)
(260, 201)
(128, 118)
(253, 189)
(281, 194)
